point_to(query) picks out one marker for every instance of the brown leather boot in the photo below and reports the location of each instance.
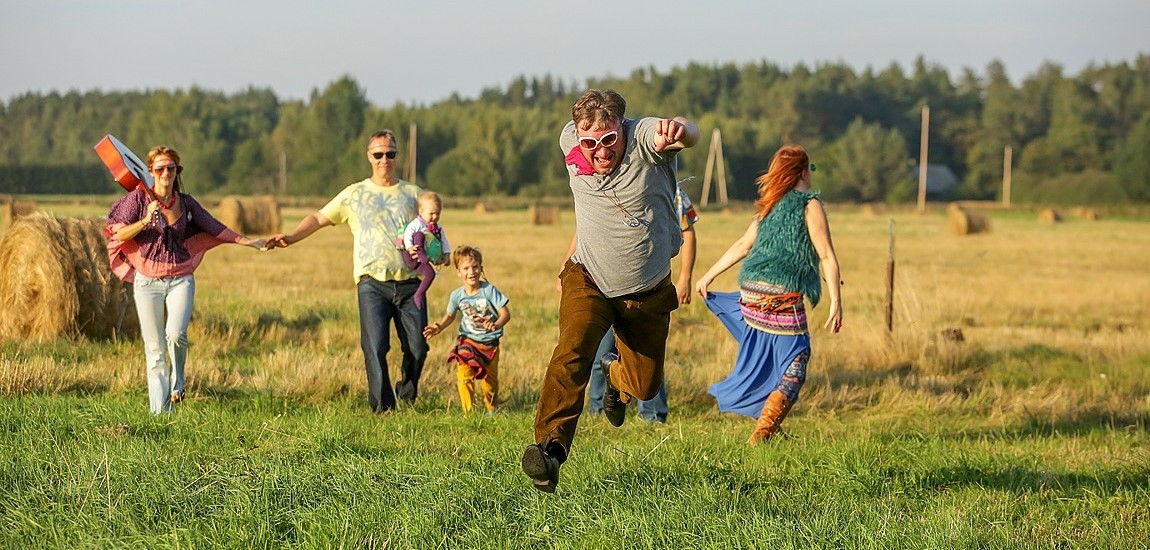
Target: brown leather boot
(774, 411)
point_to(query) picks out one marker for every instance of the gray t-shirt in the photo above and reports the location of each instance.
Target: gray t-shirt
(624, 259)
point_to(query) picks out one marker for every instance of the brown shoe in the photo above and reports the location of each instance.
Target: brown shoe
(771, 419)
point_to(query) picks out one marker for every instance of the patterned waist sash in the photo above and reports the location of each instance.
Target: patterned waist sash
(474, 354)
(770, 308)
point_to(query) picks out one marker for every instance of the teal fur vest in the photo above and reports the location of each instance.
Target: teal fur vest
(783, 253)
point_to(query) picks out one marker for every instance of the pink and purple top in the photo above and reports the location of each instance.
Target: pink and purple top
(164, 251)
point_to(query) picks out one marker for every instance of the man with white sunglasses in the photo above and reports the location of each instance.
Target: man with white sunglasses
(626, 232)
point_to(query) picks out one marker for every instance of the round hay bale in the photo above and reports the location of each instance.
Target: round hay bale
(57, 282)
(250, 215)
(1088, 214)
(542, 214)
(1049, 215)
(872, 209)
(6, 213)
(960, 221)
(22, 208)
(481, 207)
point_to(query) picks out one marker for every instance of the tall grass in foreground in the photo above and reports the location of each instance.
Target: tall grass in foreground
(266, 471)
(1031, 432)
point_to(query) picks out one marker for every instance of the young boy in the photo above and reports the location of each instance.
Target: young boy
(485, 313)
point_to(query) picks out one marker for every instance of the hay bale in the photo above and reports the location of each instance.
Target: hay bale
(872, 209)
(22, 208)
(482, 208)
(542, 214)
(960, 221)
(1088, 214)
(6, 213)
(250, 215)
(1049, 215)
(57, 282)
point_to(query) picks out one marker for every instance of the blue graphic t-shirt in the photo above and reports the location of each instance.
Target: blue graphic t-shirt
(476, 308)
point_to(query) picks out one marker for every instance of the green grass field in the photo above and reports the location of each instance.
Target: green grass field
(1032, 433)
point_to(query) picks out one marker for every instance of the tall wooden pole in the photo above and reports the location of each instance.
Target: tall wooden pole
(922, 159)
(888, 302)
(283, 172)
(410, 168)
(1006, 161)
(721, 169)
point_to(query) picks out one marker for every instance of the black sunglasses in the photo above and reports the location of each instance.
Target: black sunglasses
(380, 154)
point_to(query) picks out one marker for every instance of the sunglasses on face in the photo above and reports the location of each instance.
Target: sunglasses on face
(606, 140)
(164, 168)
(380, 154)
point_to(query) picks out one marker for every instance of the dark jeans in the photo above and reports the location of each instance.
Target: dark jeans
(379, 303)
(641, 322)
(651, 410)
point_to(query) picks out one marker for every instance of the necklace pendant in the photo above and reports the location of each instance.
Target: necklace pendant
(631, 221)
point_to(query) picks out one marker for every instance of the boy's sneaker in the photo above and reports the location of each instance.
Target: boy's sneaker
(542, 468)
(613, 407)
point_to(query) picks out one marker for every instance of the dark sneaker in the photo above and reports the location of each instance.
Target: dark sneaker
(542, 468)
(613, 407)
(405, 391)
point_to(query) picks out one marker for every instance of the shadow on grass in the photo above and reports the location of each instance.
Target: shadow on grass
(1084, 423)
(956, 369)
(301, 327)
(1023, 481)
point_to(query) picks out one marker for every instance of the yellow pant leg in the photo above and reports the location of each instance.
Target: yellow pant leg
(463, 380)
(490, 384)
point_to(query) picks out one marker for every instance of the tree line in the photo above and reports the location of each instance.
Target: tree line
(1081, 138)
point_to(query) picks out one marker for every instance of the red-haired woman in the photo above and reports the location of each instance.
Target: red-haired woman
(156, 242)
(784, 247)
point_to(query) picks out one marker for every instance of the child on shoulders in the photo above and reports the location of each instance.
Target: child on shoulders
(485, 313)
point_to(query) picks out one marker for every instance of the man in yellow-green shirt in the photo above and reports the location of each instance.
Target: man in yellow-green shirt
(377, 209)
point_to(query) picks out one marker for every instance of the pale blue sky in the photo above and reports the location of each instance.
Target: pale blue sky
(423, 50)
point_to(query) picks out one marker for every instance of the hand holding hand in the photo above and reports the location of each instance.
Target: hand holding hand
(431, 330)
(279, 240)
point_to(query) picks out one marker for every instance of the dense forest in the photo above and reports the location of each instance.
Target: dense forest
(1081, 138)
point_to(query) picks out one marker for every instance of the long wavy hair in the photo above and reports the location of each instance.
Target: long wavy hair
(787, 168)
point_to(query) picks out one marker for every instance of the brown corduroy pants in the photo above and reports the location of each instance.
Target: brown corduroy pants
(641, 323)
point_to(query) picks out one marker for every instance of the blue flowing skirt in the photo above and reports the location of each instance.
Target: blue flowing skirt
(762, 358)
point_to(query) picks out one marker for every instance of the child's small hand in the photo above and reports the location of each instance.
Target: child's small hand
(431, 330)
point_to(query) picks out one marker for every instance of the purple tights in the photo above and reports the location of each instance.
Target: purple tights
(421, 265)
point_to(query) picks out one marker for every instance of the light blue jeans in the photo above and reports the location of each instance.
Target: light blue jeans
(165, 342)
